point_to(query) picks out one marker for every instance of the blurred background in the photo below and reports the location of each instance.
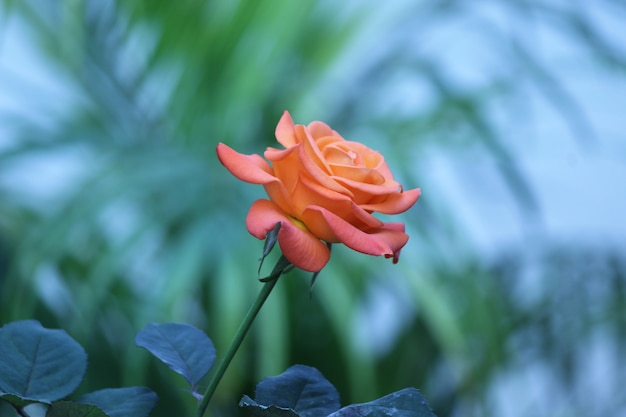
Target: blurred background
(510, 297)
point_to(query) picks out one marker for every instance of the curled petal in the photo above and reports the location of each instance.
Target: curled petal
(276, 155)
(311, 149)
(364, 193)
(383, 241)
(255, 170)
(363, 155)
(248, 168)
(366, 189)
(327, 141)
(383, 169)
(358, 174)
(321, 175)
(299, 246)
(286, 164)
(285, 131)
(335, 155)
(321, 129)
(398, 227)
(310, 193)
(395, 203)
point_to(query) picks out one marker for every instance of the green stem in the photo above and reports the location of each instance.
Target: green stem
(281, 266)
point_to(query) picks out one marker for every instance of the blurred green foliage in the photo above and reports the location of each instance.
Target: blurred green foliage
(146, 226)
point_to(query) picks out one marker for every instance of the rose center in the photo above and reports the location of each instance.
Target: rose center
(298, 223)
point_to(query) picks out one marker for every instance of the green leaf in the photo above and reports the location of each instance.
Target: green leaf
(268, 245)
(19, 401)
(182, 347)
(6, 409)
(72, 409)
(301, 389)
(122, 402)
(38, 364)
(404, 403)
(257, 410)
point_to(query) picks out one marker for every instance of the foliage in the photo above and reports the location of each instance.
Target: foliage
(40, 365)
(55, 368)
(183, 348)
(303, 391)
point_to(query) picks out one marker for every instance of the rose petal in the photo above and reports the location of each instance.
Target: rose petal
(386, 187)
(248, 168)
(359, 174)
(365, 156)
(255, 170)
(398, 227)
(386, 240)
(320, 176)
(285, 131)
(286, 164)
(382, 168)
(364, 193)
(366, 218)
(311, 149)
(395, 203)
(278, 194)
(300, 247)
(320, 129)
(309, 193)
(274, 154)
(325, 141)
(335, 155)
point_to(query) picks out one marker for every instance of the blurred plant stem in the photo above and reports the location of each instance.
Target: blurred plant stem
(282, 265)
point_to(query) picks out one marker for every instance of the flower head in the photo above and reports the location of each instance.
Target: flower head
(322, 187)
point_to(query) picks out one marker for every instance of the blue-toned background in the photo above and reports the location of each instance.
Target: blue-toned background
(510, 297)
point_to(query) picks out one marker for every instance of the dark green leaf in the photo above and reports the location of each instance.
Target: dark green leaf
(6, 409)
(282, 267)
(258, 410)
(183, 348)
(38, 364)
(122, 402)
(270, 241)
(72, 409)
(300, 388)
(404, 403)
(18, 401)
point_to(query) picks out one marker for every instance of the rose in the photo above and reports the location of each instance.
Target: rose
(322, 187)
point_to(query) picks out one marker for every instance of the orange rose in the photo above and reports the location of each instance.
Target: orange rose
(322, 187)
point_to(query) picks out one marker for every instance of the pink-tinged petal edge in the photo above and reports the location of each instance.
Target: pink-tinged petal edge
(395, 203)
(395, 227)
(303, 249)
(320, 129)
(248, 168)
(285, 130)
(255, 170)
(383, 241)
